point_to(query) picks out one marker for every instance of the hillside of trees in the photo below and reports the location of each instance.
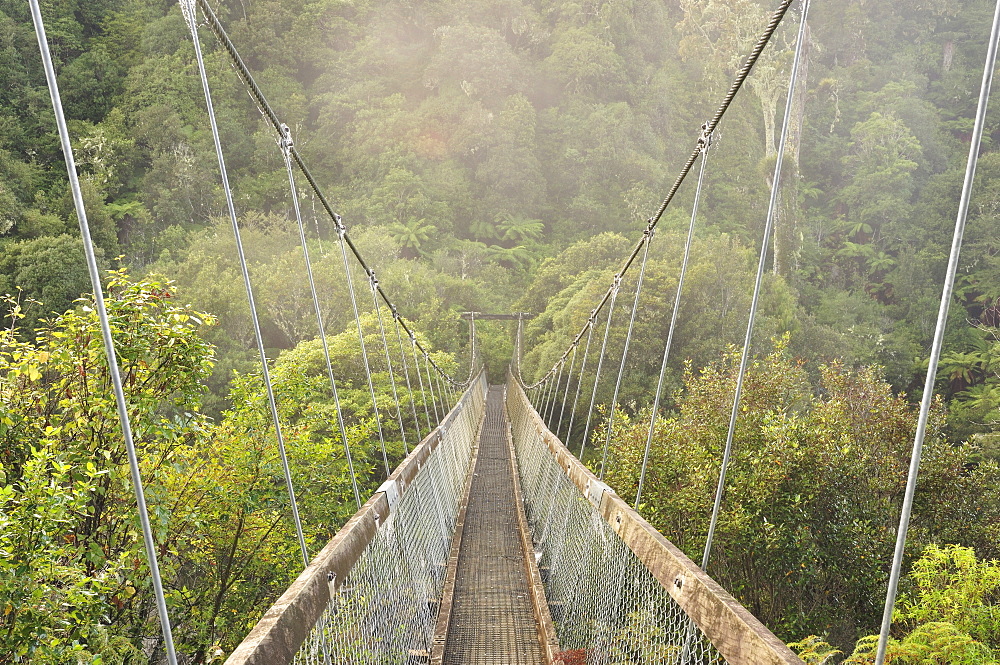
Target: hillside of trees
(489, 156)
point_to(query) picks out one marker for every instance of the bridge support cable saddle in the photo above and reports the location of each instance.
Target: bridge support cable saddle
(942, 322)
(286, 145)
(755, 301)
(149, 543)
(188, 9)
(705, 142)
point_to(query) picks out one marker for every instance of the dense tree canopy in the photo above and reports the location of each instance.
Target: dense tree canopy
(488, 156)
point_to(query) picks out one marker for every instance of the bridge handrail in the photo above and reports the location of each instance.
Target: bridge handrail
(738, 636)
(283, 629)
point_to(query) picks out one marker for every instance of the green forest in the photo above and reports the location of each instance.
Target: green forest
(500, 156)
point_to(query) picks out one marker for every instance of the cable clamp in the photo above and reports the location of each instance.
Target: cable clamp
(705, 140)
(650, 229)
(395, 312)
(341, 229)
(616, 285)
(286, 138)
(372, 279)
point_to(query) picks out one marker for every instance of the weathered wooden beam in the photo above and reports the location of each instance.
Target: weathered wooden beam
(738, 635)
(284, 627)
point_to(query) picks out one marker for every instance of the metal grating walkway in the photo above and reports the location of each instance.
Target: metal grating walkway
(492, 622)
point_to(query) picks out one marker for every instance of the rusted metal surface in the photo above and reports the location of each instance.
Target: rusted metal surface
(284, 627)
(739, 636)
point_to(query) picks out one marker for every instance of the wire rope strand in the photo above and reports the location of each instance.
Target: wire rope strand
(555, 399)
(109, 345)
(373, 282)
(268, 112)
(423, 395)
(600, 362)
(768, 226)
(231, 208)
(406, 373)
(342, 233)
(579, 382)
(430, 385)
(711, 125)
(286, 144)
(569, 378)
(628, 341)
(673, 317)
(546, 390)
(942, 321)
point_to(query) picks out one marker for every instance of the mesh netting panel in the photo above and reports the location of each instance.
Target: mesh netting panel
(603, 599)
(385, 610)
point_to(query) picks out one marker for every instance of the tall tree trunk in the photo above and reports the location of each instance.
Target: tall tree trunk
(786, 216)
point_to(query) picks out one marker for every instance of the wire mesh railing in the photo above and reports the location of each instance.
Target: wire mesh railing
(618, 591)
(370, 596)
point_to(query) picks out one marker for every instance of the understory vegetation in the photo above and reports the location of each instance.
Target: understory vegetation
(497, 156)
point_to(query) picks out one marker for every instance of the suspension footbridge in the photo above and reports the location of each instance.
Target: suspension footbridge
(491, 542)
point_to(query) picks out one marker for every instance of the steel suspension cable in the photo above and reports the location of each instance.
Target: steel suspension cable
(268, 112)
(430, 385)
(443, 392)
(628, 341)
(406, 373)
(583, 369)
(286, 144)
(109, 344)
(423, 395)
(936, 345)
(546, 391)
(189, 14)
(569, 378)
(734, 88)
(768, 227)
(552, 406)
(373, 282)
(600, 361)
(342, 233)
(706, 144)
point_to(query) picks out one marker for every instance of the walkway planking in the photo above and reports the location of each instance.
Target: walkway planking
(492, 617)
